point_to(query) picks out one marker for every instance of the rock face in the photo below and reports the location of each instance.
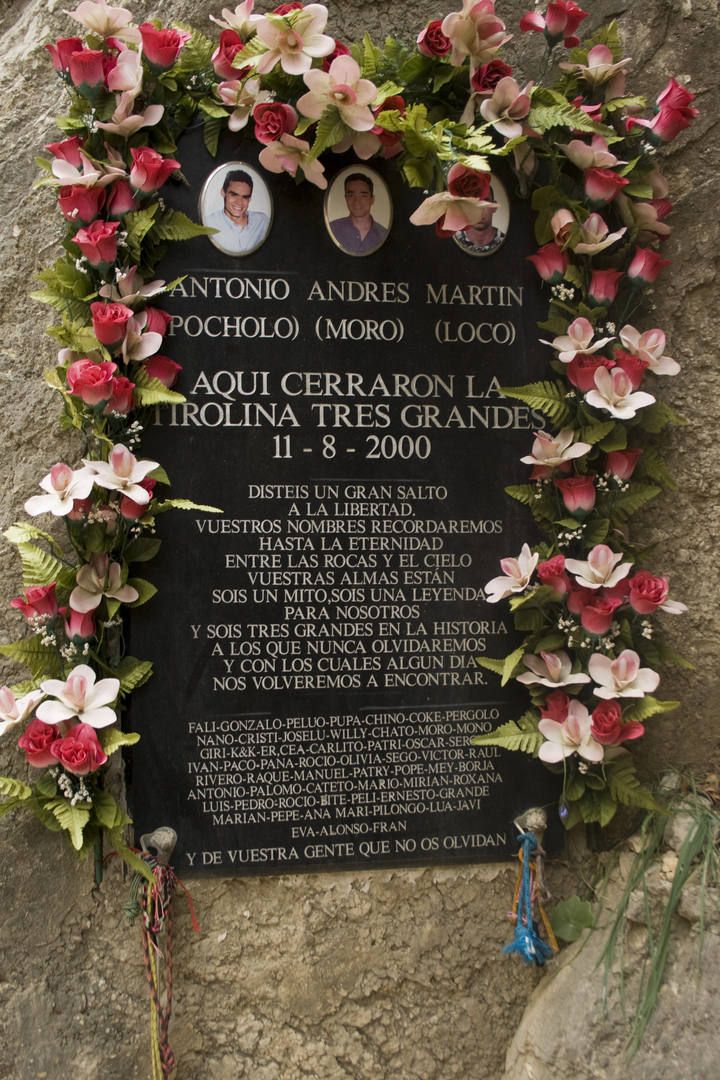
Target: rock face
(340, 976)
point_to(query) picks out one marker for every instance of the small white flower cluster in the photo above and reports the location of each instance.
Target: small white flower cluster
(570, 395)
(647, 629)
(565, 623)
(37, 622)
(564, 539)
(133, 434)
(563, 292)
(48, 638)
(583, 767)
(72, 788)
(81, 262)
(69, 651)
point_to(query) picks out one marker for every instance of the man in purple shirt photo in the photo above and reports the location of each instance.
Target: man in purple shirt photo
(358, 233)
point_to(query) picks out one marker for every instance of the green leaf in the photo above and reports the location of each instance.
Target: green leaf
(142, 549)
(72, 818)
(330, 130)
(161, 476)
(132, 673)
(544, 117)
(548, 397)
(136, 864)
(174, 225)
(570, 917)
(35, 656)
(23, 533)
(658, 416)
(145, 589)
(491, 664)
(594, 432)
(616, 440)
(596, 531)
(113, 738)
(152, 392)
(524, 493)
(419, 172)
(212, 128)
(185, 504)
(442, 77)
(652, 465)
(519, 735)
(138, 224)
(108, 814)
(639, 191)
(633, 500)
(623, 784)
(647, 707)
(14, 789)
(39, 567)
(212, 108)
(529, 619)
(538, 597)
(510, 664)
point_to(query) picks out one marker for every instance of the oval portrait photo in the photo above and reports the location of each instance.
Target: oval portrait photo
(488, 234)
(358, 210)
(236, 201)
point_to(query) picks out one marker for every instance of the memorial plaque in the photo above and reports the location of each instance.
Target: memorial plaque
(316, 643)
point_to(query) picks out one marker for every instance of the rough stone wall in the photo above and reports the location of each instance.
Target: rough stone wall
(339, 976)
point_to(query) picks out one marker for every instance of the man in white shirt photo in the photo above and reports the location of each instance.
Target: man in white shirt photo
(240, 230)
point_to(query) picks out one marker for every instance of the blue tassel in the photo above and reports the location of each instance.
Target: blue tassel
(526, 942)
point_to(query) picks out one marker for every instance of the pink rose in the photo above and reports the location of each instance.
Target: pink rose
(431, 41)
(150, 170)
(339, 50)
(121, 199)
(562, 223)
(645, 266)
(551, 262)
(81, 509)
(157, 321)
(633, 366)
(36, 600)
(91, 382)
(285, 9)
(552, 572)
(561, 20)
(603, 287)
(162, 47)
(87, 70)
(131, 510)
(110, 321)
(98, 242)
(273, 119)
(485, 78)
(37, 741)
(581, 370)
(62, 50)
(67, 150)
(578, 598)
(121, 399)
(621, 463)
(468, 183)
(80, 751)
(602, 185)
(163, 369)
(647, 592)
(79, 626)
(555, 707)
(578, 494)
(81, 204)
(230, 44)
(597, 614)
(673, 116)
(607, 726)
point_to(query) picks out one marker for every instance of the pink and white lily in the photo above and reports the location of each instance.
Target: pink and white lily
(343, 88)
(572, 736)
(295, 40)
(15, 711)
(517, 574)
(125, 122)
(551, 669)
(457, 211)
(105, 21)
(288, 154)
(130, 289)
(79, 697)
(622, 677)
(595, 156)
(595, 236)
(241, 19)
(127, 75)
(600, 67)
(507, 107)
(63, 485)
(139, 343)
(241, 96)
(614, 393)
(90, 173)
(579, 339)
(601, 569)
(551, 451)
(474, 31)
(123, 472)
(96, 579)
(649, 346)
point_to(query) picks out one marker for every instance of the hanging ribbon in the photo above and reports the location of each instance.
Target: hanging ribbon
(527, 941)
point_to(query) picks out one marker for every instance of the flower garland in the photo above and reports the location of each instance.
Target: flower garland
(442, 110)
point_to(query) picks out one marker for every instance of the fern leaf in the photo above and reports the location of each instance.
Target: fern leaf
(71, 818)
(14, 789)
(638, 496)
(491, 664)
(549, 397)
(23, 533)
(174, 225)
(39, 567)
(647, 707)
(511, 736)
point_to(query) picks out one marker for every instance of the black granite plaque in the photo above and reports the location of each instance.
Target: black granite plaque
(316, 644)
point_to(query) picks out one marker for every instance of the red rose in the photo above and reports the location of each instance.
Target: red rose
(431, 41)
(551, 262)
(80, 626)
(98, 242)
(91, 382)
(150, 170)
(161, 47)
(80, 751)
(602, 185)
(81, 204)
(555, 707)
(485, 78)
(121, 398)
(81, 509)
(157, 321)
(62, 50)
(36, 600)
(109, 321)
(562, 19)
(603, 287)
(647, 592)
(645, 266)
(468, 183)
(121, 199)
(67, 150)
(578, 598)
(581, 370)
(578, 494)
(607, 726)
(230, 44)
(633, 366)
(163, 369)
(273, 119)
(552, 572)
(37, 741)
(87, 70)
(339, 50)
(621, 463)
(597, 614)
(131, 510)
(285, 9)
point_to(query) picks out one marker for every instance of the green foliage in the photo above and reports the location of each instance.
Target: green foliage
(146, 590)
(330, 129)
(71, 818)
(32, 654)
(39, 567)
(648, 706)
(521, 735)
(212, 130)
(14, 789)
(548, 397)
(638, 496)
(132, 673)
(174, 225)
(185, 504)
(138, 224)
(570, 917)
(112, 738)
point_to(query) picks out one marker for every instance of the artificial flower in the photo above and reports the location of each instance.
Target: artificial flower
(37, 601)
(622, 677)
(79, 697)
(63, 485)
(553, 669)
(551, 451)
(294, 40)
(579, 339)
(122, 472)
(474, 31)
(560, 21)
(96, 579)
(342, 88)
(16, 710)
(608, 727)
(614, 394)
(572, 736)
(517, 574)
(288, 154)
(507, 107)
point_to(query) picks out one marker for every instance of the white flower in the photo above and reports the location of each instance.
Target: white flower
(595, 236)
(288, 154)
(622, 677)
(129, 287)
(552, 450)
(615, 394)
(123, 472)
(99, 578)
(90, 174)
(136, 344)
(124, 122)
(63, 485)
(295, 40)
(550, 669)
(80, 696)
(601, 569)
(97, 17)
(517, 576)
(579, 339)
(242, 97)
(573, 736)
(241, 20)
(343, 88)
(595, 156)
(649, 346)
(15, 711)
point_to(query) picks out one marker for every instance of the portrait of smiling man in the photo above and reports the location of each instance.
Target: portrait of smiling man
(358, 233)
(240, 230)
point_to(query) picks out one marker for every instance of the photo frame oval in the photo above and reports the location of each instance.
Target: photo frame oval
(489, 235)
(356, 194)
(236, 200)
